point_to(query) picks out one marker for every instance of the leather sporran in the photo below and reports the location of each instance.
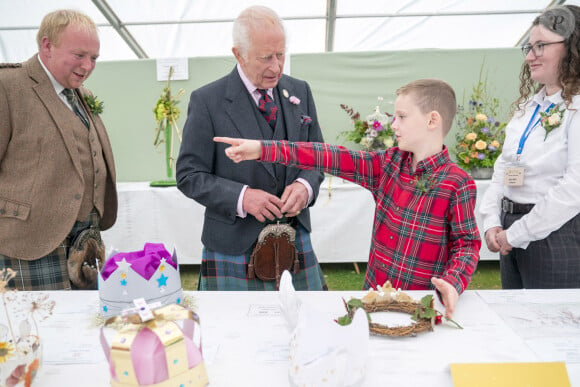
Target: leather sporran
(275, 252)
(86, 257)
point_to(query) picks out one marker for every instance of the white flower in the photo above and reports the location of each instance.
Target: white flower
(285, 93)
(389, 142)
(554, 119)
(366, 142)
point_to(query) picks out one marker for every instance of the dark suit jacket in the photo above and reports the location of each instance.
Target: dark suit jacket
(41, 180)
(205, 174)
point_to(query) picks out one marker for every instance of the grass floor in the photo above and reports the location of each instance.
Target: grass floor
(343, 276)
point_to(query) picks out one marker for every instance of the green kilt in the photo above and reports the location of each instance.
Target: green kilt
(49, 272)
(228, 272)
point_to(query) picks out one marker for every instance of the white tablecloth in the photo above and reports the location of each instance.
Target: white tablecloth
(341, 221)
(246, 342)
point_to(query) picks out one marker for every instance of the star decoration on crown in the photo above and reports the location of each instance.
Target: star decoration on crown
(123, 265)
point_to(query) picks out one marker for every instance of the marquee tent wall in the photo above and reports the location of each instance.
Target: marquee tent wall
(129, 90)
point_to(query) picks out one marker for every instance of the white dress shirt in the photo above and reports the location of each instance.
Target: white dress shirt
(551, 173)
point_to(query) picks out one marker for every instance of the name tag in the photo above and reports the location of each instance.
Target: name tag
(514, 176)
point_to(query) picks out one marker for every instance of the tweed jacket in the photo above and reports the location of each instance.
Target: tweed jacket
(41, 181)
(205, 174)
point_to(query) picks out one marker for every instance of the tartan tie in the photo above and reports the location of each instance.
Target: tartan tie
(268, 108)
(72, 99)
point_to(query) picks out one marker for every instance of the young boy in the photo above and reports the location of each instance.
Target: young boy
(424, 232)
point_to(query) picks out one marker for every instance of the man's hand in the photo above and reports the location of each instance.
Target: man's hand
(490, 239)
(262, 205)
(295, 198)
(501, 239)
(241, 149)
(449, 295)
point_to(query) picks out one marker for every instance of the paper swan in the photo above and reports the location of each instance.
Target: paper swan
(322, 353)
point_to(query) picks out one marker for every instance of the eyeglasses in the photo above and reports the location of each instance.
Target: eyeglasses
(537, 48)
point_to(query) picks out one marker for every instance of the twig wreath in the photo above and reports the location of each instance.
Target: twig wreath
(387, 299)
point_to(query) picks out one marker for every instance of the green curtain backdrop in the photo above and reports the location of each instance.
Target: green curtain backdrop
(129, 90)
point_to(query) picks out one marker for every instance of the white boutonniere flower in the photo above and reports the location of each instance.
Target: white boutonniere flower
(552, 119)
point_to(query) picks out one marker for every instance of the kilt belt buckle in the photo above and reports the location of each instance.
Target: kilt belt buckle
(507, 206)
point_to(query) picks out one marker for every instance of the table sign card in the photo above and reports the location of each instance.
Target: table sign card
(552, 374)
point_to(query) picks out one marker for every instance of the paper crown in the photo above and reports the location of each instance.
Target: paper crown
(156, 352)
(151, 273)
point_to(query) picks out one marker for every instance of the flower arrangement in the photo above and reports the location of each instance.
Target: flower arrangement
(551, 119)
(20, 350)
(374, 132)
(480, 136)
(166, 115)
(95, 105)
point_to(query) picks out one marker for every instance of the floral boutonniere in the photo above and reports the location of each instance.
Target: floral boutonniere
(305, 120)
(95, 105)
(293, 100)
(424, 183)
(552, 119)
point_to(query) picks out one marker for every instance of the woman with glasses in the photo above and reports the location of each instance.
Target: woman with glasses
(531, 209)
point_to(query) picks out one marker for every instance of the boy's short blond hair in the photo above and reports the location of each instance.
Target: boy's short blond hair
(433, 95)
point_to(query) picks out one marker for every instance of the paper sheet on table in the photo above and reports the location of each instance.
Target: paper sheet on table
(510, 375)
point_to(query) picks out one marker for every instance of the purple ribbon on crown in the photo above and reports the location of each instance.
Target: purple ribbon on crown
(144, 262)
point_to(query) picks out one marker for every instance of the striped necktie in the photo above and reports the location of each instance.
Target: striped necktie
(268, 108)
(72, 99)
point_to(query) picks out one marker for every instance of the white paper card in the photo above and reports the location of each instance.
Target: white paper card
(180, 69)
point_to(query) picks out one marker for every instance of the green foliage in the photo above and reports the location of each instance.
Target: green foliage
(95, 105)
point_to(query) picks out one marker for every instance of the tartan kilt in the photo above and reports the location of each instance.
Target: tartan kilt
(228, 272)
(49, 272)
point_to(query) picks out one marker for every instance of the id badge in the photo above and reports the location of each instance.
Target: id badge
(514, 176)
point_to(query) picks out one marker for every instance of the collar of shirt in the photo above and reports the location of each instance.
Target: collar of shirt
(253, 90)
(57, 86)
(428, 165)
(545, 100)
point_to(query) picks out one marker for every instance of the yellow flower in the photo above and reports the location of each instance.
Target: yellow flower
(470, 136)
(481, 145)
(6, 351)
(480, 117)
(389, 142)
(160, 111)
(495, 143)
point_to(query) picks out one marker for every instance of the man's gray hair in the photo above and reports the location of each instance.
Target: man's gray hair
(253, 17)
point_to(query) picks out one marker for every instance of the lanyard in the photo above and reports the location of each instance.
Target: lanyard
(529, 129)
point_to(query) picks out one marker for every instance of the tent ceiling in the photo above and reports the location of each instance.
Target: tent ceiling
(132, 29)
